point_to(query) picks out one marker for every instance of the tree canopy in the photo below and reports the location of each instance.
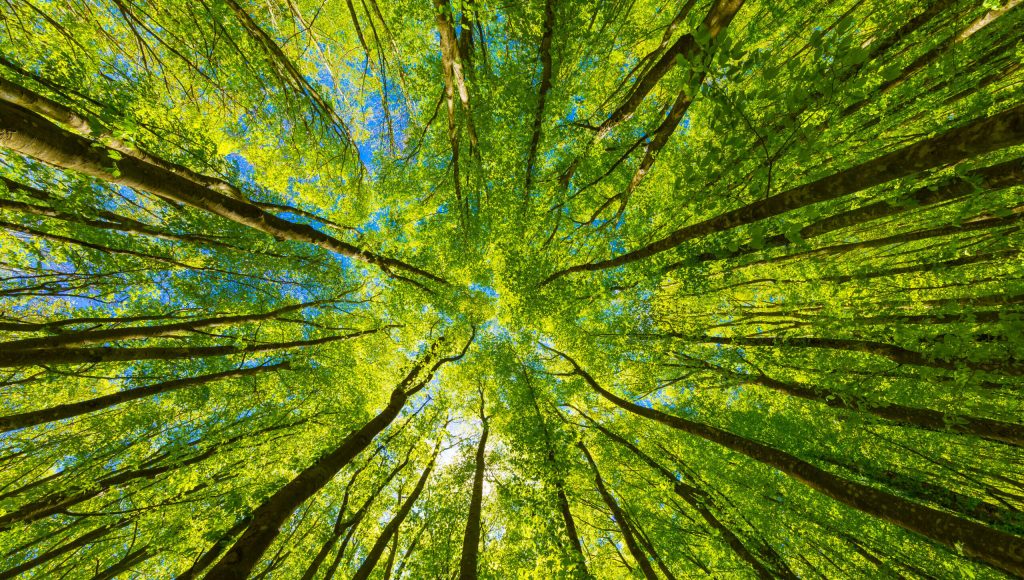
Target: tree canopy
(309, 289)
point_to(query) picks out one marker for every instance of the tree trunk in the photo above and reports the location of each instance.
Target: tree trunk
(36, 137)
(698, 500)
(975, 138)
(620, 519)
(471, 539)
(998, 549)
(392, 526)
(69, 410)
(892, 352)
(83, 540)
(20, 358)
(88, 337)
(274, 512)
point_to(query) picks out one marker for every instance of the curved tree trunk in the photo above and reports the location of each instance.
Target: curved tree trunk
(69, 410)
(620, 519)
(998, 549)
(391, 529)
(471, 539)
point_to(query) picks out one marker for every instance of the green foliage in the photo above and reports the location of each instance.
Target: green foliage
(873, 330)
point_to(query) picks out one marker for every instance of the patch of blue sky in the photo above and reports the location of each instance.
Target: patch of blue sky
(485, 289)
(245, 170)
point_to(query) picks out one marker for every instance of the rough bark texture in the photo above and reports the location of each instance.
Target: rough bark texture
(993, 547)
(620, 520)
(34, 136)
(69, 410)
(975, 138)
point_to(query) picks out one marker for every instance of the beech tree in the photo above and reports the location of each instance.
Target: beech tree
(547, 289)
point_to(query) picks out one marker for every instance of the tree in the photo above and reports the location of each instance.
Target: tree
(552, 289)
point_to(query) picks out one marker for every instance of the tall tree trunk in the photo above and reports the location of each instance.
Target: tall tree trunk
(69, 410)
(620, 519)
(1009, 433)
(36, 137)
(699, 501)
(471, 539)
(892, 352)
(128, 562)
(391, 529)
(559, 483)
(995, 177)
(88, 337)
(268, 518)
(542, 93)
(83, 540)
(975, 138)
(718, 18)
(20, 358)
(998, 549)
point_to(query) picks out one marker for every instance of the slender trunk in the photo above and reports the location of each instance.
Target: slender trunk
(36, 137)
(211, 555)
(975, 138)
(542, 93)
(696, 499)
(1009, 433)
(892, 352)
(620, 519)
(471, 539)
(995, 177)
(570, 529)
(1010, 223)
(130, 560)
(559, 484)
(341, 525)
(390, 564)
(993, 547)
(58, 501)
(69, 410)
(392, 526)
(646, 543)
(102, 354)
(718, 18)
(83, 540)
(89, 337)
(271, 515)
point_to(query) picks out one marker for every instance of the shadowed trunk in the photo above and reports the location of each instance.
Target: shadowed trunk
(998, 549)
(620, 519)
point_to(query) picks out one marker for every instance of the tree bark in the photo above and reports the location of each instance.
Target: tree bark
(620, 519)
(718, 18)
(36, 137)
(471, 539)
(892, 352)
(69, 410)
(975, 138)
(274, 512)
(995, 177)
(20, 358)
(392, 526)
(698, 500)
(83, 540)
(993, 547)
